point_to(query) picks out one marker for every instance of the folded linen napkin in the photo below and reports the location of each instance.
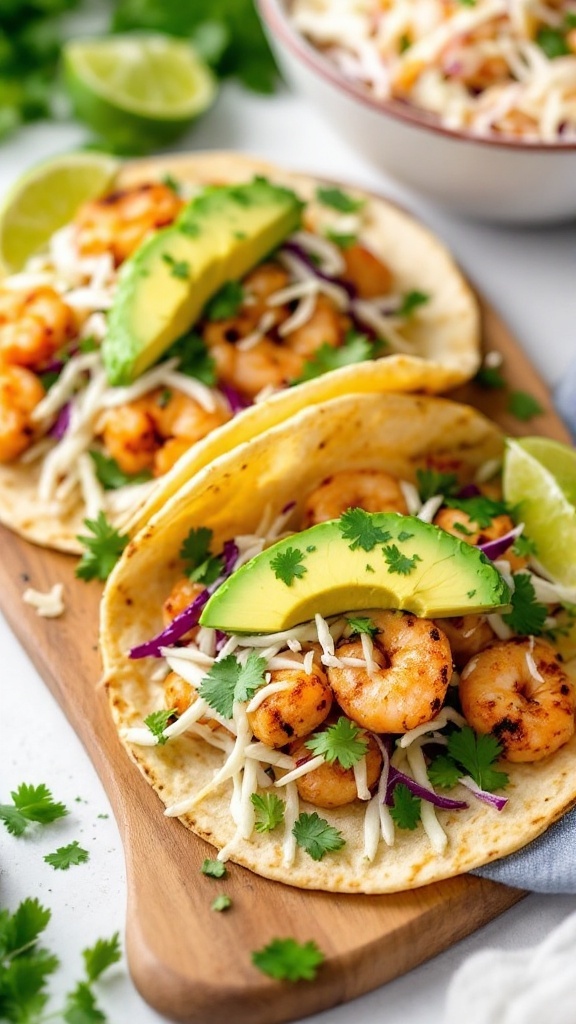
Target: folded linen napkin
(523, 986)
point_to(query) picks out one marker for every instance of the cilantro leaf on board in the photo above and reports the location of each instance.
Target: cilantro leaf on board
(30, 803)
(316, 836)
(480, 509)
(357, 526)
(443, 772)
(405, 809)
(194, 358)
(288, 960)
(528, 615)
(157, 721)
(65, 856)
(356, 348)
(109, 474)
(477, 754)
(271, 810)
(229, 681)
(410, 302)
(344, 742)
(398, 562)
(490, 377)
(214, 868)
(103, 549)
(288, 565)
(200, 565)
(430, 483)
(523, 406)
(226, 302)
(361, 625)
(222, 902)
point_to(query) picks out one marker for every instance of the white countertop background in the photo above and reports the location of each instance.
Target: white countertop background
(529, 276)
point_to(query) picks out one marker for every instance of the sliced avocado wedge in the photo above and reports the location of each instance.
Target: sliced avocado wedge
(362, 560)
(220, 235)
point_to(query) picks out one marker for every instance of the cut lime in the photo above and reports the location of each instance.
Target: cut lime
(46, 198)
(540, 478)
(137, 92)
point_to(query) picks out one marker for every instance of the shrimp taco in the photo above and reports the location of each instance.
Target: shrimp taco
(345, 670)
(168, 322)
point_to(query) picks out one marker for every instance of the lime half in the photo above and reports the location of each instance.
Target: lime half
(137, 92)
(46, 198)
(540, 478)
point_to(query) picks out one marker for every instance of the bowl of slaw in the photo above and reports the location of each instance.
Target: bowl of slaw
(471, 103)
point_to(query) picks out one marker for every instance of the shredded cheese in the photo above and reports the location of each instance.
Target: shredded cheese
(48, 604)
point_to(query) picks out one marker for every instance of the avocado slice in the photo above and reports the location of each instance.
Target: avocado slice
(219, 236)
(362, 560)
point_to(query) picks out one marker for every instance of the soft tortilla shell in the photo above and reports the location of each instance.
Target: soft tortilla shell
(395, 432)
(445, 342)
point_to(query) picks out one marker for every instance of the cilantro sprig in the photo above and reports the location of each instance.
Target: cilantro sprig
(480, 509)
(270, 809)
(528, 615)
(357, 526)
(356, 348)
(431, 482)
(200, 565)
(398, 562)
(358, 624)
(226, 302)
(194, 359)
(65, 856)
(30, 804)
(157, 721)
(109, 474)
(343, 742)
(103, 549)
(229, 681)
(405, 808)
(288, 565)
(472, 754)
(337, 199)
(315, 835)
(289, 960)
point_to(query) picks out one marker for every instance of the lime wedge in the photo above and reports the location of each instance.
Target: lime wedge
(137, 91)
(46, 198)
(540, 478)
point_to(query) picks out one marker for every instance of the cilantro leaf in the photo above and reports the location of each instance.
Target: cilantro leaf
(336, 199)
(524, 546)
(523, 406)
(477, 753)
(21, 929)
(552, 42)
(410, 302)
(399, 562)
(178, 268)
(343, 742)
(24, 965)
(81, 1006)
(528, 615)
(316, 836)
(356, 348)
(341, 239)
(288, 960)
(222, 902)
(443, 772)
(358, 526)
(110, 475)
(226, 302)
(229, 681)
(200, 564)
(431, 482)
(194, 358)
(361, 625)
(157, 721)
(103, 549)
(101, 955)
(480, 509)
(65, 856)
(214, 868)
(30, 803)
(271, 808)
(288, 565)
(405, 809)
(490, 377)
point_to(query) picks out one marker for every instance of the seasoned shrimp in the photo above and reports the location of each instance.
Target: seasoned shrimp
(331, 785)
(20, 393)
(119, 222)
(266, 364)
(369, 275)
(518, 691)
(459, 523)
(183, 593)
(33, 325)
(467, 635)
(182, 416)
(179, 695)
(292, 712)
(408, 686)
(261, 283)
(325, 326)
(129, 435)
(371, 489)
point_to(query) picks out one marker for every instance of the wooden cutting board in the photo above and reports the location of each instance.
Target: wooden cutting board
(190, 963)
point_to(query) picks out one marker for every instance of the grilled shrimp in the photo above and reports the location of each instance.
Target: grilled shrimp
(331, 785)
(129, 435)
(179, 695)
(467, 635)
(459, 523)
(119, 222)
(295, 711)
(34, 324)
(413, 667)
(518, 691)
(20, 393)
(183, 593)
(369, 275)
(370, 489)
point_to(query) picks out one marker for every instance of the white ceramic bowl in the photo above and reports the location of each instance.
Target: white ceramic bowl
(492, 179)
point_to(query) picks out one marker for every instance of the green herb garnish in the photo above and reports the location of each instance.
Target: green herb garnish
(528, 615)
(476, 754)
(110, 475)
(357, 526)
(288, 960)
(406, 808)
(226, 302)
(398, 562)
(157, 721)
(271, 810)
(336, 199)
(214, 868)
(229, 681)
(316, 836)
(103, 549)
(288, 565)
(344, 742)
(523, 406)
(65, 856)
(30, 803)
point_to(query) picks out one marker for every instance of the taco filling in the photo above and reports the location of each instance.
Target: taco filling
(340, 737)
(81, 434)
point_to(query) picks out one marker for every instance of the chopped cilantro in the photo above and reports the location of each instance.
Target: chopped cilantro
(228, 681)
(214, 868)
(342, 240)
(316, 836)
(398, 562)
(523, 406)
(171, 183)
(271, 810)
(443, 772)
(357, 526)
(49, 378)
(157, 721)
(480, 509)
(356, 348)
(553, 42)
(110, 475)
(490, 377)
(226, 302)
(343, 742)
(405, 809)
(404, 535)
(30, 803)
(336, 199)
(288, 960)
(67, 855)
(362, 625)
(222, 902)
(200, 565)
(194, 358)
(477, 753)
(430, 483)
(288, 565)
(524, 546)
(103, 549)
(88, 344)
(178, 268)
(528, 615)
(410, 302)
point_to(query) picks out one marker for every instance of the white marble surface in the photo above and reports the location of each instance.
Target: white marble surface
(529, 276)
